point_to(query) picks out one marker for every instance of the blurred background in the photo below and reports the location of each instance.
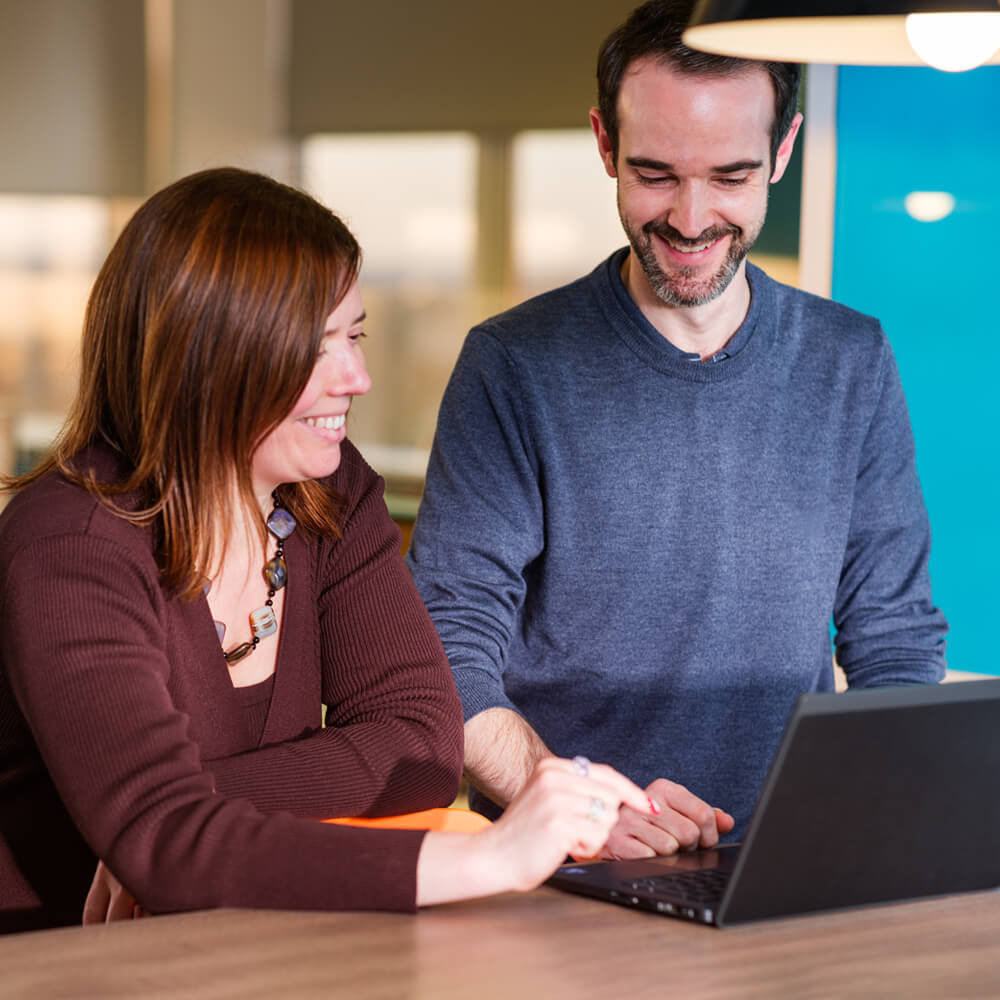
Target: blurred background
(452, 136)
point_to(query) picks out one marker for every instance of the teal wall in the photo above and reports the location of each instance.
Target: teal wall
(935, 288)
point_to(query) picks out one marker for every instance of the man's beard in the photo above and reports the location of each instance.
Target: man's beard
(682, 286)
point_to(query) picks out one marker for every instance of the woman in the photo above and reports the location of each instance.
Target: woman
(160, 685)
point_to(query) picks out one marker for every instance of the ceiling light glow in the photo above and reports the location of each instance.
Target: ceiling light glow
(954, 42)
(929, 206)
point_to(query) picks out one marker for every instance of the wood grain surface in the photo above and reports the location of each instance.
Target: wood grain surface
(540, 945)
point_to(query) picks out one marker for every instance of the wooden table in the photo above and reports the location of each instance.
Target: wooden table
(540, 945)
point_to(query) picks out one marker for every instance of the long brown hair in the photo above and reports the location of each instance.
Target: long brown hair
(200, 334)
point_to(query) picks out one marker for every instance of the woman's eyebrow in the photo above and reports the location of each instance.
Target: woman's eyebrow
(361, 318)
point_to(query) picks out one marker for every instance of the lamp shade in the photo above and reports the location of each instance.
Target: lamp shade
(950, 35)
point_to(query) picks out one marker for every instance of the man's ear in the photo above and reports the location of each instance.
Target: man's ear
(604, 143)
(784, 153)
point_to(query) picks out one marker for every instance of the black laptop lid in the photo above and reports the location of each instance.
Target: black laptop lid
(874, 796)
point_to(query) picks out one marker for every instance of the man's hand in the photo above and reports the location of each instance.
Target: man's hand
(684, 823)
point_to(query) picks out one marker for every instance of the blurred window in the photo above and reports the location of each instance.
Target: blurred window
(51, 248)
(410, 199)
(565, 218)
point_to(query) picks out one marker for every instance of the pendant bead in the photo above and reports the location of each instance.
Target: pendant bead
(237, 653)
(276, 573)
(280, 523)
(263, 623)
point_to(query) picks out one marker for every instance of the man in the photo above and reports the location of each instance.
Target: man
(652, 489)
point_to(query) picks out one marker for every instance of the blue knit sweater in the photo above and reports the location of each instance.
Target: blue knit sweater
(642, 554)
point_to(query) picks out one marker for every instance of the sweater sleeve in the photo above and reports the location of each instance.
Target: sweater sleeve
(480, 523)
(84, 649)
(393, 736)
(888, 629)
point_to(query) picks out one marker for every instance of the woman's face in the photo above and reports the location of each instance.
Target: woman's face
(306, 444)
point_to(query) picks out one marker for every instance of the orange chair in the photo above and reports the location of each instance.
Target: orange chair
(451, 820)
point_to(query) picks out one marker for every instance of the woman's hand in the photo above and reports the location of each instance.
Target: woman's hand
(109, 900)
(567, 807)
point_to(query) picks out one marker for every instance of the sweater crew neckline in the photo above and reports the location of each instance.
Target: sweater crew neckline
(644, 340)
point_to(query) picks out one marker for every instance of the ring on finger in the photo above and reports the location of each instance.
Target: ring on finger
(596, 809)
(581, 765)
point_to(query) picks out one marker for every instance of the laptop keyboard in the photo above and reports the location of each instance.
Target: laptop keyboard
(701, 887)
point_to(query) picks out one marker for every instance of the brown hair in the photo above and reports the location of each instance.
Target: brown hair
(200, 334)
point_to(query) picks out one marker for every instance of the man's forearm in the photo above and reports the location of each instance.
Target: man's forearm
(501, 751)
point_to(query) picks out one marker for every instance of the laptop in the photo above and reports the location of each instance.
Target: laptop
(874, 796)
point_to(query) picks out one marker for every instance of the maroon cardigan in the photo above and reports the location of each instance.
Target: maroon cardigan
(121, 736)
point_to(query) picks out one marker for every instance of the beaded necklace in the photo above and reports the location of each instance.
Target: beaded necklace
(262, 620)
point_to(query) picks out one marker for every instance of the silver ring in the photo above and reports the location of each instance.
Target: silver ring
(581, 765)
(596, 809)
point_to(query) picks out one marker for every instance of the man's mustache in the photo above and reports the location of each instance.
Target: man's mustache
(664, 230)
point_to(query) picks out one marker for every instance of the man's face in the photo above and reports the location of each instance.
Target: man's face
(693, 171)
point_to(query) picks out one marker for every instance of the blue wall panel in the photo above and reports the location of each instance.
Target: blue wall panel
(935, 287)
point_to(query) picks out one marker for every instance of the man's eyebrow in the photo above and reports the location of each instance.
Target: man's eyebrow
(645, 163)
(738, 166)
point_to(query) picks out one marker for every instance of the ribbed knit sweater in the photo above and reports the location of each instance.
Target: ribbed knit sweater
(642, 553)
(122, 737)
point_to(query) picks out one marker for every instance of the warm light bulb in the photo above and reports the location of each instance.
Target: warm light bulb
(929, 206)
(954, 42)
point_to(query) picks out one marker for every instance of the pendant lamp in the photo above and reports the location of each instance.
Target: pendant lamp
(952, 35)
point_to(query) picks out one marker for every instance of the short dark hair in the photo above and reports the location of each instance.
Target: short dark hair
(655, 29)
